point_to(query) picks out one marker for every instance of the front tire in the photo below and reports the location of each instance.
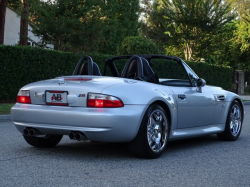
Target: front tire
(152, 136)
(44, 142)
(234, 123)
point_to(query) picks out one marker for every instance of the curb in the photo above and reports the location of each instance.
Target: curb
(5, 117)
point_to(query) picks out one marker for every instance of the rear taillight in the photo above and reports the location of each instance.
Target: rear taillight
(23, 96)
(103, 101)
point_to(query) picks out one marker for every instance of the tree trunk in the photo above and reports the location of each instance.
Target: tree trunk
(24, 22)
(187, 52)
(2, 19)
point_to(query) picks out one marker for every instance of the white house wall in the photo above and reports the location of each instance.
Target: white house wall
(12, 29)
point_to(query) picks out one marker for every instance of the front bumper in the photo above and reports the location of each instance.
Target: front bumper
(98, 124)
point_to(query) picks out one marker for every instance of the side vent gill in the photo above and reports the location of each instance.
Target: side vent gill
(220, 97)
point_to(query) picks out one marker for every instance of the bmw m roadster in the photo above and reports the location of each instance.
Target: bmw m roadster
(131, 105)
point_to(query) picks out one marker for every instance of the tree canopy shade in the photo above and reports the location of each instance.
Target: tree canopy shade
(14, 4)
(237, 50)
(137, 45)
(242, 35)
(190, 25)
(90, 25)
(68, 24)
(120, 20)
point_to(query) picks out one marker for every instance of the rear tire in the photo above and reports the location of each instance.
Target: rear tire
(152, 136)
(234, 123)
(45, 142)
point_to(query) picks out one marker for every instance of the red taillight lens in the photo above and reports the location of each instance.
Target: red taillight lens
(23, 96)
(103, 101)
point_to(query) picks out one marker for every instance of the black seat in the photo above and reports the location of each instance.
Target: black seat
(148, 73)
(138, 68)
(96, 70)
(132, 70)
(88, 68)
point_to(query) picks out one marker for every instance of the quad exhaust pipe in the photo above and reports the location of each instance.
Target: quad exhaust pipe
(31, 132)
(77, 136)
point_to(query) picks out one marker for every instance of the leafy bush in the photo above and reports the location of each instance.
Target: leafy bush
(22, 65)
(137, 45)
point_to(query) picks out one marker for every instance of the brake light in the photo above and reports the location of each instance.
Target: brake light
(77, 79)
(103, 101)
(23, 96)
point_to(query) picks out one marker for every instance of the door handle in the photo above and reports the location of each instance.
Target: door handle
(181, 96)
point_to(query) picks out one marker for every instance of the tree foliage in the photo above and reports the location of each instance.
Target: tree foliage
(68, 24)
(137, 45)
(90, 25)
(191, 24)
(242, 35)
(120, 19)
(14, 4)
(237, 52)
(153, 23)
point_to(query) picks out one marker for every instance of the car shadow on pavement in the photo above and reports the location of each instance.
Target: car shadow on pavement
(102, 150)
(90, 149)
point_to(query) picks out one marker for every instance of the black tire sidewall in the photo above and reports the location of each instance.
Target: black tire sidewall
(227, 134)
(142, 138)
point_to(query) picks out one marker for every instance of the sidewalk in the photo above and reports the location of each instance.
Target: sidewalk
(243, 97)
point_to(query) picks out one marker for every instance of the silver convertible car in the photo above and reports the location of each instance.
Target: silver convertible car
(130, 105)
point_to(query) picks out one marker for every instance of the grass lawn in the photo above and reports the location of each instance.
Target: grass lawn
(5, 108)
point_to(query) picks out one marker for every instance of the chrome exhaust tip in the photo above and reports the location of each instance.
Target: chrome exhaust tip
(31, 132)
(72, 136)
(77, 136)
(26, 132)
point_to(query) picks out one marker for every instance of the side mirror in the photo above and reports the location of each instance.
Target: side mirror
(200, 83)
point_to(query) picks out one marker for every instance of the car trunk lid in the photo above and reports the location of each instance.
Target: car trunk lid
(68, 90)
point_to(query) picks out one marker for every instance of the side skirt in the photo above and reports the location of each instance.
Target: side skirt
(177, 134)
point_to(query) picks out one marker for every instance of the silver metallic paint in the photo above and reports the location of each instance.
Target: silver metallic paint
(98, 124)
(198, 114)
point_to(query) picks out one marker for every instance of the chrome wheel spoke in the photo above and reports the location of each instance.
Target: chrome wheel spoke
(235, 120)
(156, 131)
(156, 116)
(231, 125)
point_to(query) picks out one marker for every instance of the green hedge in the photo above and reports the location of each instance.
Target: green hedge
(213, 74)
(22, 65)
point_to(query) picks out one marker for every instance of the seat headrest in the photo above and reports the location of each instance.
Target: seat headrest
(96, 70)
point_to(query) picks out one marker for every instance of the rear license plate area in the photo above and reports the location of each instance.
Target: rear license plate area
(57, 98)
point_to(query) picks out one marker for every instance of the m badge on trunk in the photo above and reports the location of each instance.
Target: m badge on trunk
(81, 95)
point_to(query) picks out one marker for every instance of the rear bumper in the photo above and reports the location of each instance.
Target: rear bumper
(109, 124)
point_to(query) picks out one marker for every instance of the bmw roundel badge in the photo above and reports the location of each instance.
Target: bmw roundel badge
(61, 82)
